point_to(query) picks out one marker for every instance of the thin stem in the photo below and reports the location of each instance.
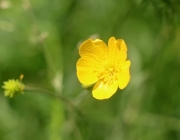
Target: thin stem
(41, 40)
(55, 95)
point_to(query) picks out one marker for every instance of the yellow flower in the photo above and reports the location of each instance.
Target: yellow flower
(105, 66)
(13, 87)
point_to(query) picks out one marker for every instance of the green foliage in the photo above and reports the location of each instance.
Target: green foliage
(40, 39)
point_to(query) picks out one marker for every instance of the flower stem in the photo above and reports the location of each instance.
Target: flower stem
(68, 103)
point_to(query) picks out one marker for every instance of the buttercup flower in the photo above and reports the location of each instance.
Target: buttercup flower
(12, 87)
(104, 65)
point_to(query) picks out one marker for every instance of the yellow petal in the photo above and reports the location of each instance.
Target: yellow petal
(112, 46)
(121, 45)
(86, 62)
(85, 70)
(96, 49)
(124, 76)
(117, 49)
(86, 77)
(103, 91)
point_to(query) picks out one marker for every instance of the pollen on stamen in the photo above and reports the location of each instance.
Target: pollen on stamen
(108, 76)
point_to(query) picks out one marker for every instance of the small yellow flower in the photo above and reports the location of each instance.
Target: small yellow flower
(12, 87)
(105, 66)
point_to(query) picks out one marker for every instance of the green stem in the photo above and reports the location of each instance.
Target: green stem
(68, 104)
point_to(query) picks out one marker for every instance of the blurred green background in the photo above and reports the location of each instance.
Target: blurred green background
(40, 39)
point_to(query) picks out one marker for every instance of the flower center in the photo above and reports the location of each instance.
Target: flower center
(108, 75)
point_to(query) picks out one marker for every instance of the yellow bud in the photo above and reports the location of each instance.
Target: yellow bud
(12, 87)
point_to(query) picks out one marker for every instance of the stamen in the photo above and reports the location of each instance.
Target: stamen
(108, 75)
